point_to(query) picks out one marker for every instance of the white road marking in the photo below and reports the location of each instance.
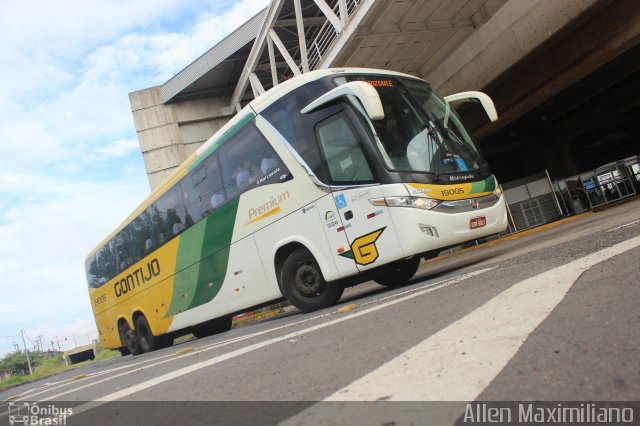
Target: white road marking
(62, 383)
(624, 226)
(165, 359)
(171, 357)
(461, 360)
(241, 351)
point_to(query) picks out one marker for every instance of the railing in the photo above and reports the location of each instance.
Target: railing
(327, 35)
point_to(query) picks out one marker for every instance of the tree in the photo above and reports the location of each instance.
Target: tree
(17, 361)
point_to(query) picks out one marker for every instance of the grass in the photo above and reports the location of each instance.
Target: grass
(49, 367)
(52, 366)
(105, 354)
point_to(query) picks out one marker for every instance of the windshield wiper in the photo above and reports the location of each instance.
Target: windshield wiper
(434, 139)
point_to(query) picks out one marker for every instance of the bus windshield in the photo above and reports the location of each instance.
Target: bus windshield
(419, 131)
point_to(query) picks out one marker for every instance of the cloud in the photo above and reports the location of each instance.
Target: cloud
(45, 241)
(120, 148)
(60, 110)
(70, 168)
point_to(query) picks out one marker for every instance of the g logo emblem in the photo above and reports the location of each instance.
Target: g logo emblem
(363, 249)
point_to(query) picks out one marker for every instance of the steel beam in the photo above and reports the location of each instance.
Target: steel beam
(284, 52)
(256, 51)
(302, 40)
(328, 12)
(272, 62)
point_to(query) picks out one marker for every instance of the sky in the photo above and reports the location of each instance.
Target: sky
(70, 164)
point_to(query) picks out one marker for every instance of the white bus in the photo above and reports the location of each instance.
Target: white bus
(332, 178)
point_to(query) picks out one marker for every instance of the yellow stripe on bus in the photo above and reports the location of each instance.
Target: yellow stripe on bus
(146, 287)
(445, 192)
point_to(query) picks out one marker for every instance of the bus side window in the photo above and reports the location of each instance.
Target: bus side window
(203, 188)
(297, 128)
(248, 160)
(345, 159)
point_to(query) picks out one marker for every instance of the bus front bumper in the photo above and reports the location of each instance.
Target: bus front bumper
(421, 231)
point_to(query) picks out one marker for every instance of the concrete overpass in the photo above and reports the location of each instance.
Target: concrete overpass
(563, 73)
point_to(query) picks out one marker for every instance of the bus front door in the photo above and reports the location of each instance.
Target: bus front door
(369, 229)
(336, 236)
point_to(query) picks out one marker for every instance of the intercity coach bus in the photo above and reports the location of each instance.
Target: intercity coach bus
(329, 179)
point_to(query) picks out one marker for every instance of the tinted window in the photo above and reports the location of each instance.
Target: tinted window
(204, 192)
(345, 159)
(297, 128)
(245, 161)
(248, 160)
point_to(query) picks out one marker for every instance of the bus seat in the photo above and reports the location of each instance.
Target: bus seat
(216, 200)
(178, 228)
(268, 164)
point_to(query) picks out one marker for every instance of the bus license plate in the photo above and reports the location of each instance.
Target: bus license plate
(478, 222)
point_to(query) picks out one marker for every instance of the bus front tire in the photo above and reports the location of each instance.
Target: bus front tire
(303, 284)
(129, 339)
(146, 340)
(215, 326)
(398, 273)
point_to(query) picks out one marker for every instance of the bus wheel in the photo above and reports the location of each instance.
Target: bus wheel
(147, 341)
(129, 339)
(303, 284)
(397, 273)
(214, 326)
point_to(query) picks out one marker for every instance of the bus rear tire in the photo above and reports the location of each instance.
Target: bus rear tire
(146, 340)
(397, 273)
(304, 286)
(129, 339)
(214, 326)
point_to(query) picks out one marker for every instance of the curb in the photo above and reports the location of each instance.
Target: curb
(255, 318)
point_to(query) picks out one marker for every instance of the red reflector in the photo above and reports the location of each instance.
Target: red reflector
(340, 229)
(370, 215)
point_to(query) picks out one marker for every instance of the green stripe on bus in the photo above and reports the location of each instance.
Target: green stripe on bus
(225, 137)
(487, 185)
(203, 256)
(215, 252)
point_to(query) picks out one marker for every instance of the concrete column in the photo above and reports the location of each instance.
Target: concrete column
(158, 133)
(169, 133)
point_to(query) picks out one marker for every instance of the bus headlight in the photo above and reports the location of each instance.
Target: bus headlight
(415, 202)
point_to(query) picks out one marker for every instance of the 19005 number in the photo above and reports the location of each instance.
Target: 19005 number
(454, 191)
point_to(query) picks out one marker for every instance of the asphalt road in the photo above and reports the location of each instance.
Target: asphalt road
(551, 315)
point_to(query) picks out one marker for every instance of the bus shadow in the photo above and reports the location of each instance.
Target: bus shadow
(427, 272)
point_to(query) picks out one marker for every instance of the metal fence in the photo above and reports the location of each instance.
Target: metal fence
(606, 184)
(531, 202)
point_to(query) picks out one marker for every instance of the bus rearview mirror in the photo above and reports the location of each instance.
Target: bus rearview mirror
(364, 92)
(483, 98)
